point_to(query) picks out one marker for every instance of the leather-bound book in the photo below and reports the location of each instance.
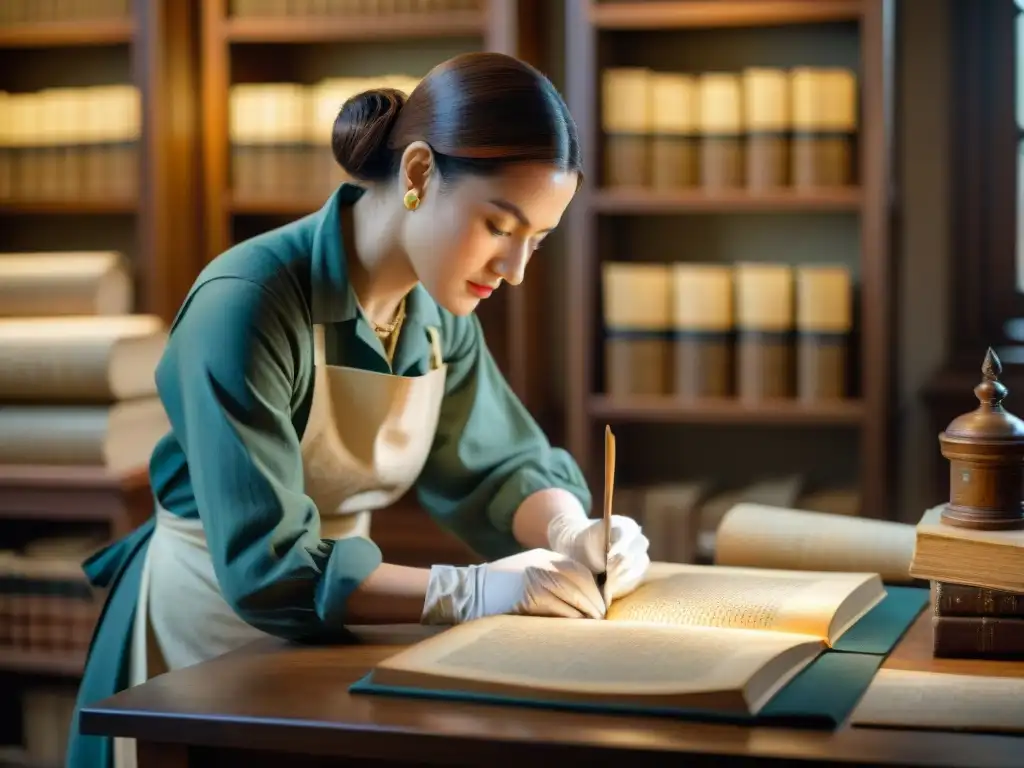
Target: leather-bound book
(964, 600)
(824, 321)
(626, 124)
(721, 127)
(673, 142)
(825, 123)
(764, 331)
(766, 118)
(977, 637)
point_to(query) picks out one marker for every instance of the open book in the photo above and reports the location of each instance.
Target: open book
(700, 637)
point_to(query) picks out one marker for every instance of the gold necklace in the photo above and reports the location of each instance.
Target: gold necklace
(388, 334)
(386, 329)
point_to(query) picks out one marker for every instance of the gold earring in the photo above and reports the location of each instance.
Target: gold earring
(411, 200)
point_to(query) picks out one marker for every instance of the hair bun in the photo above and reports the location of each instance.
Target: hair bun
(359, 139)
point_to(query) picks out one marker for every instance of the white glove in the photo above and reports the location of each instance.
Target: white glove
(582, 538)
(535, 583)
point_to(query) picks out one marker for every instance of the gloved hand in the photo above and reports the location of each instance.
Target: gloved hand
(582, 538)
(534, 583)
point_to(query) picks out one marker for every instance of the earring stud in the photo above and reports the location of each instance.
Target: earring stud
(411, 200)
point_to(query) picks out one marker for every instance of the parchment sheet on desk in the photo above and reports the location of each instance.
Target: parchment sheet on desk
(899, 698)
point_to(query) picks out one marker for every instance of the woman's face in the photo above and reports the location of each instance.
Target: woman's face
(467, 239)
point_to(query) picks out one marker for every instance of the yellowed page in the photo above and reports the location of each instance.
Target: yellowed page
(798, 602)
(901, 698)
(759, 536)
(595, 658)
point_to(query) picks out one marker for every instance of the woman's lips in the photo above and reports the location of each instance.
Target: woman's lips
(480, 290)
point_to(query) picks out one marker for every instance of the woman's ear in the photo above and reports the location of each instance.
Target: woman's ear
(416, 169)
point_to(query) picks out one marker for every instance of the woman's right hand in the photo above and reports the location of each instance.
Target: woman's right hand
(534, 583)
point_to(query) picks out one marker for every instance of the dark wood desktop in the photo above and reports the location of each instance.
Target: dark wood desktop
(278, 704)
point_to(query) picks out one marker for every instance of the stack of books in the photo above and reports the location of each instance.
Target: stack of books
(77, 367)
(977, 588)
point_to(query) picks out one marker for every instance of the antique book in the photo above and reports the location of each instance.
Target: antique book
(735, 636)
(989, 559)
(900, 698)
(118, 437)
(977, 637)
(760, 536)
(52, 284)
(963, 600)
(80, 359)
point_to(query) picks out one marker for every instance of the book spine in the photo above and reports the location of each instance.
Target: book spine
(977, 637)
(963, 600)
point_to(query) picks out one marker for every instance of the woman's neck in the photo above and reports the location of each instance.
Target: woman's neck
(379, 269)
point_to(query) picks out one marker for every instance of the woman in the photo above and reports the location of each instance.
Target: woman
(317, 372)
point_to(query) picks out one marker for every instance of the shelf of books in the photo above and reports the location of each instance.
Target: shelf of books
(729, 261)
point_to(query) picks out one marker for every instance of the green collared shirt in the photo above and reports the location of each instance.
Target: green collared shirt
(236, 381)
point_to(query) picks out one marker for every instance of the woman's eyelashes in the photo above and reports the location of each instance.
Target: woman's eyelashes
(497, 231)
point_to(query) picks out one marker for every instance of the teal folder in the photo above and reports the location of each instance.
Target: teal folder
(821, 696)
(881, 628)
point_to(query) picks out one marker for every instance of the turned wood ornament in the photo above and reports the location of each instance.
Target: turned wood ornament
(985, 449)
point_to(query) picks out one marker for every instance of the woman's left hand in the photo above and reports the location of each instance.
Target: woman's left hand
(582, 539)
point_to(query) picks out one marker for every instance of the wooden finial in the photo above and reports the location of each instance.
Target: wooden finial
(991, 392)
(991, 368)
(985, 449)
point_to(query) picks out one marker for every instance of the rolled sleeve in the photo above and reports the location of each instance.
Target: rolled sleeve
(489, 454)
(228, 381)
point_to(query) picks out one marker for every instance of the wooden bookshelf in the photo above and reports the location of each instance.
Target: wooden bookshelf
(304, 49)
(155, 222)
(609, 223)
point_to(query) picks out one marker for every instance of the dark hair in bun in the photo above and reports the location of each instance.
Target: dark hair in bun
(478, 112)
(359, 139)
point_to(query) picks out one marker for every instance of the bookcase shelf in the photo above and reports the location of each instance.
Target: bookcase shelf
(351, 28)
(723, 224)
(69, 207)
(39, 663)
(727, 411)
(719, 13)
(641, 201)
(56, 34)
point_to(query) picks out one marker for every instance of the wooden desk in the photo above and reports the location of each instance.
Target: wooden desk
(276, 704)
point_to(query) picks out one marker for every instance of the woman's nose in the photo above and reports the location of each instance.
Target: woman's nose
(512, 266)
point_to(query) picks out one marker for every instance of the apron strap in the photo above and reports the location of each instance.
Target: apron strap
(436, 355)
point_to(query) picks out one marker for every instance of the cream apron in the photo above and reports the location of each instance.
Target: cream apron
(366, 440)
